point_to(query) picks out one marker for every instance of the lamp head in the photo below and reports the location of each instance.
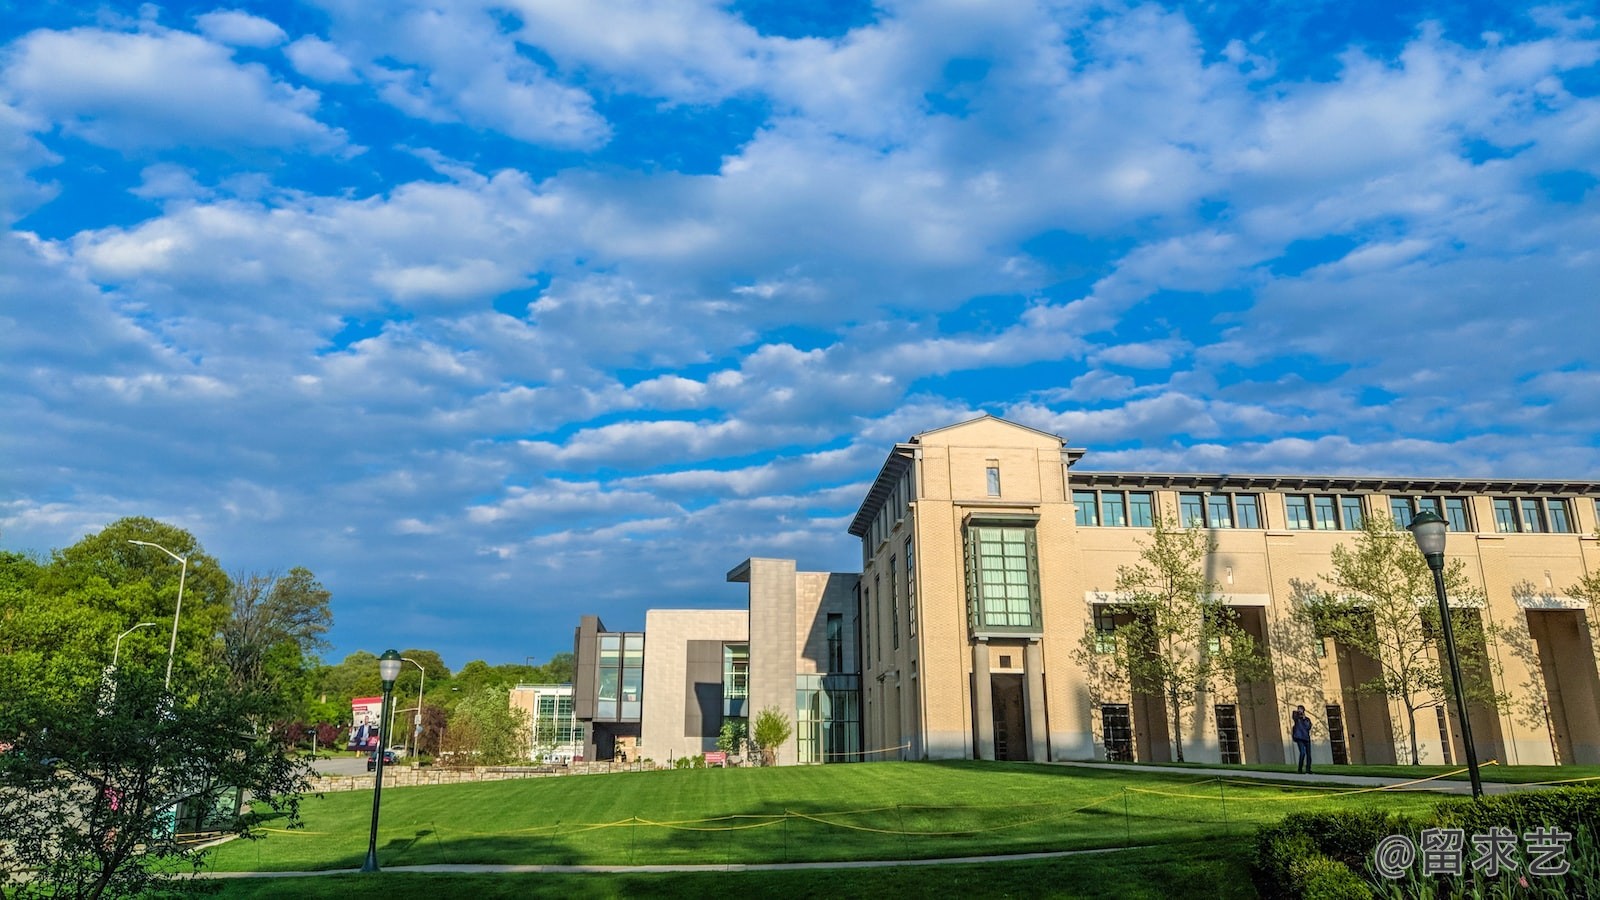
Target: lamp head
(389, 668)
(1428, 529)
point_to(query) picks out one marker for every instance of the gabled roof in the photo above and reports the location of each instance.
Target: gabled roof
(917, 438)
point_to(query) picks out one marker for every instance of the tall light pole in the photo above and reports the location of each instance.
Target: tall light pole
(416, 730)
(117, 649)
(388, 670)
(1429, 531)
(183, 576)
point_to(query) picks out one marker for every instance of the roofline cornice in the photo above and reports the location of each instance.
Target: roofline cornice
(1371, 484)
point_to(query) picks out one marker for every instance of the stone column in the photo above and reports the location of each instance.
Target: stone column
(1038, 726)
(982, 700)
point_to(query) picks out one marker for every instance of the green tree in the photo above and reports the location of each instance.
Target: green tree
(771, 730)
(88, 792)
(275, 628)
(486, 729)
(732, 736)
(1177, 637)
(1381, 602)
(62, 620)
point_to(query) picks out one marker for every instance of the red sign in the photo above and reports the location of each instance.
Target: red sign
(716, 758)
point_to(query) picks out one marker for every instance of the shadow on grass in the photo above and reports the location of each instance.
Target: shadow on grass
(1197, 871)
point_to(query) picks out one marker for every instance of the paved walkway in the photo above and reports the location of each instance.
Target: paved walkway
(1437, 785)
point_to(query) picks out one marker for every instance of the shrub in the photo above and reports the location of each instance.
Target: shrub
(1326, 855)
(1319, 854)
(1321, 877)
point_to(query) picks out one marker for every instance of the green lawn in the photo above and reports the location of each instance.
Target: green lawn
(792, 814)
(1488, 772)
(1212, 870)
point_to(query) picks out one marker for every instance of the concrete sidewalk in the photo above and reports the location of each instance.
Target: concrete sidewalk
(1324, 777)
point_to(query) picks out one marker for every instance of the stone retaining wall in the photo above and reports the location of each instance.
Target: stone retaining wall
(406, 776)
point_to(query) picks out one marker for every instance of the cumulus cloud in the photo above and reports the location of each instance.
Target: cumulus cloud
(158, 89)
(318, 59)
(240, 29)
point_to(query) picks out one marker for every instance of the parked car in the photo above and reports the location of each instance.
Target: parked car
(372, 759)
(399, 752)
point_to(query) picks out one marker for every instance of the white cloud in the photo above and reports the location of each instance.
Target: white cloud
(158, 89)
(318, 59)
(240, 29)
(457, 63)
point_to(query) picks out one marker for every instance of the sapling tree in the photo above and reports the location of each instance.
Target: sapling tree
(1380, 600)
(1177, 637)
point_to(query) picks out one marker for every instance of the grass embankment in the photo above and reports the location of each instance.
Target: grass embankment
(795, 814)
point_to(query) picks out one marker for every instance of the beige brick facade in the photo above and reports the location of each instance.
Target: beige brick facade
(938, 684)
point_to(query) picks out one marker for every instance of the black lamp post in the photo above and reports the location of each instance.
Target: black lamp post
(1429, 530)
(388, 670)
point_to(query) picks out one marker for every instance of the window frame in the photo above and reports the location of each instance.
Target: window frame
(979, 604)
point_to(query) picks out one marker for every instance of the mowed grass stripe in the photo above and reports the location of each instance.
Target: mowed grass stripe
(794, 814)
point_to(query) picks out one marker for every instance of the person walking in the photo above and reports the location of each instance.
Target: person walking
(1300, 730)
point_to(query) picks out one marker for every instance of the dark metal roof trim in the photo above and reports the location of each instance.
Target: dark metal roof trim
(896, 465)
(1375, 484)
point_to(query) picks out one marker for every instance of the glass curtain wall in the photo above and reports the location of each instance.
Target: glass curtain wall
(828, 724)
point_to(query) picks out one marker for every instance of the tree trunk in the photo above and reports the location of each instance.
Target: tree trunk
(1177, 722)
(1412, 715)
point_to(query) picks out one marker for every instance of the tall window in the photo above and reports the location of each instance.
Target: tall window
(993, 475)
(1083, 505)
(1298, 508)
(1400, 511)
(1114, 510)
(1191, 511)
(1326, 512)
(1505, 515)
(632, 675)
(1532, 515)
(1455, 513)
(609, 681)
(1002, 578)
(735, 677)
(1219, 511)
(1560, 520)
(1350, 511)
(911, 589)
(877, 591)
(835, 642)
(1141, 509)
(1249, 510)
(866, 624)
(894, 605)
(1105, 629)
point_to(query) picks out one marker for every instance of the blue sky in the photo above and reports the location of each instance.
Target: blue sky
(493, 314)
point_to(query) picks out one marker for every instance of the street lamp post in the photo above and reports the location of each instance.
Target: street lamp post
(388, 670)
(416, 729)
(183, 576)
(1429, 531)
(116, 650)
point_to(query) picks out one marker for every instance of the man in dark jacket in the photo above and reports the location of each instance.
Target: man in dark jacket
(1301, 732)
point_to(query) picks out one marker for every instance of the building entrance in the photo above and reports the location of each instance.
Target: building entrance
(1010, 718)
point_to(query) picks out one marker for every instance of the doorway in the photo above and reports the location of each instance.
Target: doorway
(1010, 718)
